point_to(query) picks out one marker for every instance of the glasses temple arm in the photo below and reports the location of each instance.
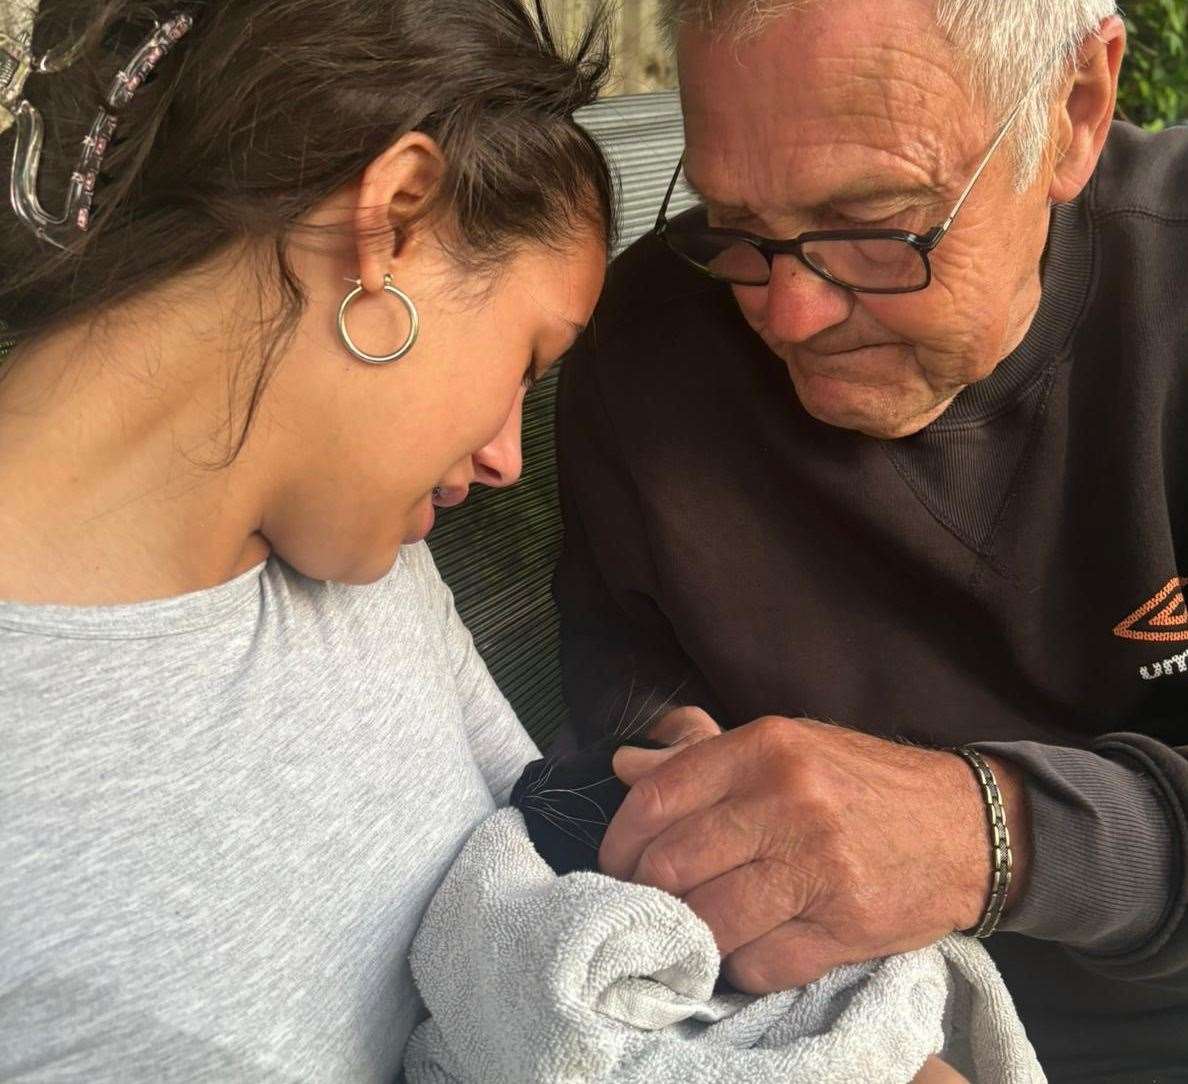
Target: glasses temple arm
(661, 217)
(1002, 134)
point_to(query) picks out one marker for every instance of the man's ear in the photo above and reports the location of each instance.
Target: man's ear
(1083, 120)
(394, 192)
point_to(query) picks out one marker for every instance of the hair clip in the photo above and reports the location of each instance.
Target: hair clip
(16, 65)
(80, 193)
(17, 62)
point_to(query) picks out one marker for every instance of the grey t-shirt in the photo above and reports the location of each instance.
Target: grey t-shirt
(221, 817)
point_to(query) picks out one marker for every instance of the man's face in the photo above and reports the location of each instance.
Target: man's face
(855, 115)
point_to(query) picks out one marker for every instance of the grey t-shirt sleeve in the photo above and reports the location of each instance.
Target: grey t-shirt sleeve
(500, 744)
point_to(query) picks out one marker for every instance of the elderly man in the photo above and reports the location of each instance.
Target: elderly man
(893, 434)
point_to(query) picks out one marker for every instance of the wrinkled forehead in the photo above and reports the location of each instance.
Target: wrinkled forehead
(843, 94)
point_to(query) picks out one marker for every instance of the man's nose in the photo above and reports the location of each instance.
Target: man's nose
(500, 462)
(801, 304)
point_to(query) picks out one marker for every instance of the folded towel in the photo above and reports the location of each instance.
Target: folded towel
(531, 977)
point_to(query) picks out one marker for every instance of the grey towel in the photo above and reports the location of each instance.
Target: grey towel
(531, 977)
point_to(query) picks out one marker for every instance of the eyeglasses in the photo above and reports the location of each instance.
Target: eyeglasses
(864, 261)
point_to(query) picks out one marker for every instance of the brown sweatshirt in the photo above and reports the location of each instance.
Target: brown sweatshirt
(1013, 576)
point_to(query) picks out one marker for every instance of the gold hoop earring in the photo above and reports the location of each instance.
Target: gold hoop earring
(414, 320)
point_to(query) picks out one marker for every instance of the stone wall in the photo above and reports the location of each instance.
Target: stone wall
(642, 60)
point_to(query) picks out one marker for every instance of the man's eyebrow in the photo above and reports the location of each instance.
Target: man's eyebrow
(859, 192)
(873, 193)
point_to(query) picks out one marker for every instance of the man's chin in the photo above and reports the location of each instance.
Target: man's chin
(883, 413)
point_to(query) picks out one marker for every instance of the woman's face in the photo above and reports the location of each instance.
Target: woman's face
(381, 446)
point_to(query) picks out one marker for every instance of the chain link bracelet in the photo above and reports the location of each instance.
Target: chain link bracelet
(1001, 860)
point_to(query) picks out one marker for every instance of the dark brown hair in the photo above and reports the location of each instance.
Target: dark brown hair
(267, 107)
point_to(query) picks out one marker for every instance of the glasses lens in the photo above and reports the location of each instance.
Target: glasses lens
(876, 264)
(725, 258)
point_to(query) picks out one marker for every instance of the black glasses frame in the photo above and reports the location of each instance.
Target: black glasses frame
(768, 248)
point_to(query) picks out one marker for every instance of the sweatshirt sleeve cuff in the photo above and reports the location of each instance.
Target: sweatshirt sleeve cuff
(1105, 852)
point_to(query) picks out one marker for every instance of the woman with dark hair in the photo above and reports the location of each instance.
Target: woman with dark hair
(278, 272)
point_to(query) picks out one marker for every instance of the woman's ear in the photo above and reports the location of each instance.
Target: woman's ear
(1084, 117)
(394, 192)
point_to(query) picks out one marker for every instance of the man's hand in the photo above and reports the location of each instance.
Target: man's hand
(804, 846)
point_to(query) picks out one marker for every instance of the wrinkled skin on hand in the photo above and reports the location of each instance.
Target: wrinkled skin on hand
(804, 846)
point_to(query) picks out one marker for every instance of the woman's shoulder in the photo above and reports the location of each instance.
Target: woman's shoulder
(415, 562)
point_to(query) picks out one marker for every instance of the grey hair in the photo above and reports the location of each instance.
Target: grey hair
(1015, 48)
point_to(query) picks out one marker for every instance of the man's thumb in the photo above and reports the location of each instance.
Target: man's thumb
(678, 730)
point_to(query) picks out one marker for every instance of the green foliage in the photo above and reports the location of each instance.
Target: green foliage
(1154, 87)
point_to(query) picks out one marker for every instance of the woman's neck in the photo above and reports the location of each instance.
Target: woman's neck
(111, 461)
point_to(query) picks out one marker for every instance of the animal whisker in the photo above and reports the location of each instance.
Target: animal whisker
(536, 789)
(551, 810)
(581, 797)
(553, 807)
(550, 767)
(556, 823)
(643, 727)
(626, 704)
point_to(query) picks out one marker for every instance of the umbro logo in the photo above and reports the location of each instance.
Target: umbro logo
(1163, 618)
